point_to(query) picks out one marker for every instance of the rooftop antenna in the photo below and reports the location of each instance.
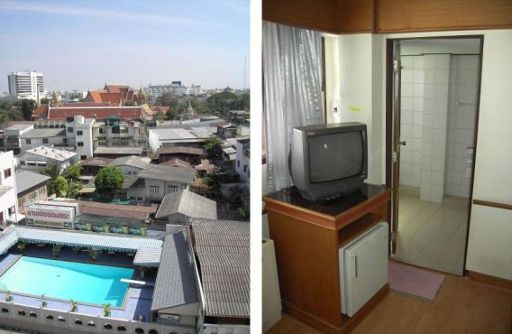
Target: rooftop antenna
(245, 62)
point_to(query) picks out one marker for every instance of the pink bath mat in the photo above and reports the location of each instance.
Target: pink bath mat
(413, 281)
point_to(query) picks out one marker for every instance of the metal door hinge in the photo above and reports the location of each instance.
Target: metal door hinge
(396, 65)
(395, 157)
(393, 236)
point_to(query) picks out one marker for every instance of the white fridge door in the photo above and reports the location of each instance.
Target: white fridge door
(366, 268)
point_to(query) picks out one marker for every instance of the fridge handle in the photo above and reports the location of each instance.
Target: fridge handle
(354, 266)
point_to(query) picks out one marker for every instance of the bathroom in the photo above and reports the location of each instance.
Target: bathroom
(439, 88)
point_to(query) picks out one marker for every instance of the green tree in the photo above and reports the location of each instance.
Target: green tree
(26, 107)
(61, 186)
(160, 117)
(171, 114)
(72, 173)
(109, 181)
(213, 147)
(53, 171)
(221, 102)
(73, 190)
(44, 100)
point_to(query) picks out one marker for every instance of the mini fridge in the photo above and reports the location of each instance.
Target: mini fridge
(363, 268)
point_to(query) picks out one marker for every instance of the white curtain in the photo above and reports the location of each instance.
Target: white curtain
(292, 96)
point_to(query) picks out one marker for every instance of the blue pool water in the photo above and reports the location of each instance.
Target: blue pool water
(89, 283)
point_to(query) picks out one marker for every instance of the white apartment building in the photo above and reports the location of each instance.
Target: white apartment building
(26, 85)
(83, 136)
(40, 157)
(8, 195)
(43, 136)
(243, 159)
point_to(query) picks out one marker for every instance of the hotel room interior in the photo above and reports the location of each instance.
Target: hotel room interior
(432, 83)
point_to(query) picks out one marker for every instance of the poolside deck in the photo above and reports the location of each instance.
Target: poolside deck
(137, 301)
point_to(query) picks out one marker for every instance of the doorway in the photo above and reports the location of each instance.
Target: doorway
(433, 98)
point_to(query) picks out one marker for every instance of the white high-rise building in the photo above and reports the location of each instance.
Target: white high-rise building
(25, 85)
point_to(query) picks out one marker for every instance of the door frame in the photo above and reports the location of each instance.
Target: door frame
(390, 42)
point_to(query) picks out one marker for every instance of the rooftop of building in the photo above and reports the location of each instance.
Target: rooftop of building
(174, 134)
(175, 281)
(188, 204)
(19, 126)
(95, 161)
(97, 112)
(116, 150)
(168, 173)
(43, 133)
(131, 160)
(52, 153)
(223, 250)
(180, 150)
(26, 180)
(116, 210)
(176, 162)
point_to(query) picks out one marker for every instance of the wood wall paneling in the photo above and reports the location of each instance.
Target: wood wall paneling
(436, 15)
(312, 14)
(355, 16)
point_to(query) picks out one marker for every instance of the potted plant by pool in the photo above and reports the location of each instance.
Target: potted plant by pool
(73, 305)
(56, 250)
(106, 310)
(8, 297)
(94, 253)
(21, 247)
(44, 303)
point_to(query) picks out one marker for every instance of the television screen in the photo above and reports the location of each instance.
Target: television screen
(335, 156)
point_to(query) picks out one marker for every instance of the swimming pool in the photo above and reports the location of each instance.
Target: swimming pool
(81, 282)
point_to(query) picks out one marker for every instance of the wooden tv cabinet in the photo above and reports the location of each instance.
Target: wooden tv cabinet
(307, 236)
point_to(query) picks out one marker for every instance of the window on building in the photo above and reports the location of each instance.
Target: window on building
(12, 210)
(70, 129)
(245, 168)
(79, 133)
(45, 140)
(7, 173)
(172, 188)
(28, 141)
(154, 190)
(22, 162)
(83, 157)
(238, 163)
(101, 131)
(80, 143)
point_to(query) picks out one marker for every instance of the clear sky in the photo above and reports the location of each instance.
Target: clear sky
(85, 44)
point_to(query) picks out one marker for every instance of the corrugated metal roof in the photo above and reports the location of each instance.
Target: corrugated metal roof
(175, 281)
(26, 180)
(84, 239)
(147, 257)
(168, 173)
(187, 203)
(223, 250)
(44, 133)
(131, 160)
(116, 210)
(118, 150)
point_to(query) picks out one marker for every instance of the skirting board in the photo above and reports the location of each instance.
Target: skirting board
(491, 280)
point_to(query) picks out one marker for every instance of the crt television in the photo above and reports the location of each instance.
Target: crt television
(329, 160)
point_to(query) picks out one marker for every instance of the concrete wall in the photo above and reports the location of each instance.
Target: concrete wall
(9, 199)
(36, 142)
(9, 316)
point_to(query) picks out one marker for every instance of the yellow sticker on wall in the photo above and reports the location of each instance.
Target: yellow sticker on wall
(354, 108)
